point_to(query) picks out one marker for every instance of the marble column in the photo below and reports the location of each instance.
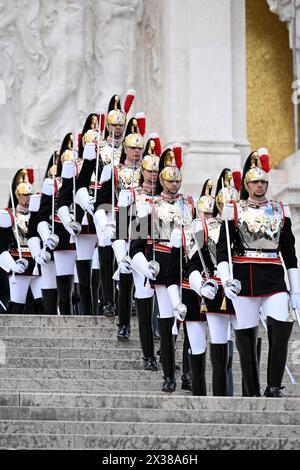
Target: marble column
(203, 65)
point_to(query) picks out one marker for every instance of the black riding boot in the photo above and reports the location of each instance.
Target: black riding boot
(197, 365)
(50, 301)
(246, 345)
(96, 281)
(106, 258)
(219, 361)
(186, 378)
(84, 271)
(64, 293)
(16, 309)
(124, 306)
(279, 333)
(38, 307)
(167, 354)
(144, 311)
(229, 369)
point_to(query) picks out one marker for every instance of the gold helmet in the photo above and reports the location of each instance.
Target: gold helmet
(133, 138)
(226, 191)
(115, 115)
(256, 168)
(150, 161)
(205, 203)
(23, 182)
(259, 166)
(171, 163)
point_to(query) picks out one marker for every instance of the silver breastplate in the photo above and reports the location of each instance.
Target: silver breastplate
(170, 215)
(260, 226)
(128, 177)
(213, 229)
(105, 151)
(22, 224)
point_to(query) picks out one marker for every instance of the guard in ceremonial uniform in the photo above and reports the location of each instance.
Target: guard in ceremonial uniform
(219, 310)
(127, 179)
(144, 293)
(109, 150)
(16, 257)
(259, 230)
(53, 233)
(151, 257)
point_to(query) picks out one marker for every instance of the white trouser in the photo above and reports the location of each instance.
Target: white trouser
(64, 262)
(197, 336)
(85, 246)
(164, 304)
(19, 286)
(219, 327)
(141, 292)
(49, 276)
(247, 309)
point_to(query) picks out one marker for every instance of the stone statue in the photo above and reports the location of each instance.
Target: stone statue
(116, 35)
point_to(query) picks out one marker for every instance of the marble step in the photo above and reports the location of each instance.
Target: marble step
(126, 353)
(149, 400)
(151, 383)
(117, 442)
(103, 374)
(83, 343)
(129, 428)
(83, 330)
(149, 415)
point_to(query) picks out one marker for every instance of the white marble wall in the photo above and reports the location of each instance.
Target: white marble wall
(62, 59)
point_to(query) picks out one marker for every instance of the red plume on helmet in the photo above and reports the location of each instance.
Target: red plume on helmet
(102, 120)
(177, 149)
(141, 120)
(264, 159)
(79, 139)
(154, 136)
(237, 180)
(30, 174)
(129, 98)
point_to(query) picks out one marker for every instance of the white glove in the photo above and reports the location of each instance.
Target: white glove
(44, 230)
(125, 198)
(43, 257)
(209, 289)
(9, 264)
(106, 173)
(176, 238)
(109, 230)
(295, 301)
(73, 228)
(125, 265)
(232, 287)
(196, 281)
(152, 270)
(20, 266)
(141, 265)
(143, 209)
(84, 200)
(52, 242)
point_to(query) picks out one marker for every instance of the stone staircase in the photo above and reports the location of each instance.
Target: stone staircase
(67, 383)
